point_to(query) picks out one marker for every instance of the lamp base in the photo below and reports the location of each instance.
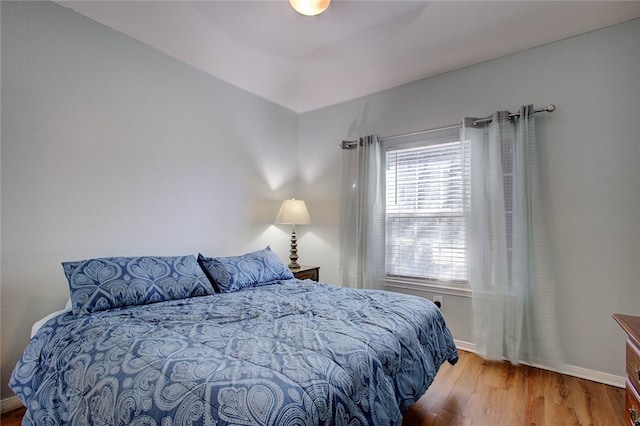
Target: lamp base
(293, 254)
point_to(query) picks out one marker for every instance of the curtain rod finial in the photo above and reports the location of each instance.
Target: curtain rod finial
(551, 108)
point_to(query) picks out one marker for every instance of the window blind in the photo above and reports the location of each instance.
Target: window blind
(425, 227)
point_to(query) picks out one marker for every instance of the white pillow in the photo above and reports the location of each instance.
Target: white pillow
(36, 325)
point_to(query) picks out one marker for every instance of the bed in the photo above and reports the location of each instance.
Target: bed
(226, 341)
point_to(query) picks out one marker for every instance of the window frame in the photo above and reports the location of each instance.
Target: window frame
(454, 287)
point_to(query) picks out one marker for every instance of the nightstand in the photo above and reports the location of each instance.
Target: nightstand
(306, 272)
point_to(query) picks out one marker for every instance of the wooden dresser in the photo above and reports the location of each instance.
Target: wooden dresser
(305, 272)
(631, 325)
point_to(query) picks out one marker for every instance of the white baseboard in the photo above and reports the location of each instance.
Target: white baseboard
(570, 370)
(10, 404)
(465, 346)
(594, 376)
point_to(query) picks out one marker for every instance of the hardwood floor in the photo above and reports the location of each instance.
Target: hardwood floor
(477, 392)
(480, 393)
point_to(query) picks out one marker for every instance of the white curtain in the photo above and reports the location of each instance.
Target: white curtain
(362, 215)
(509, 268)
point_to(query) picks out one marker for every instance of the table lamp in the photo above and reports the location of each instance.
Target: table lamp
(293, 212)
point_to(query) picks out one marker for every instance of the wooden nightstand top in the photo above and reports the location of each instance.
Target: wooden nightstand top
(305, 272)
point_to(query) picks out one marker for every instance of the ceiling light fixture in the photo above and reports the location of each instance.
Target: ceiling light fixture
(310, 7)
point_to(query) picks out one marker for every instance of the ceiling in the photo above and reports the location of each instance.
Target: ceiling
(355, 48)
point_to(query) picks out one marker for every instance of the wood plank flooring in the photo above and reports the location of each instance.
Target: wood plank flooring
(480, 393)
(477, 392)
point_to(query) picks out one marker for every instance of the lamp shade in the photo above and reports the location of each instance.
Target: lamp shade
(293, 212)
(310, 7)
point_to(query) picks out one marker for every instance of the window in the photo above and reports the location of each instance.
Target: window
(425, 227)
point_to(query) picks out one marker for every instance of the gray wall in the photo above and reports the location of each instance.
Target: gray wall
(110, 148)
(590, 159)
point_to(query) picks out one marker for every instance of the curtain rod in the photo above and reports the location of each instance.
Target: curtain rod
(351, 144)
(548, 108)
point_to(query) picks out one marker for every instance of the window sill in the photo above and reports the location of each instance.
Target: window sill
(433, 287)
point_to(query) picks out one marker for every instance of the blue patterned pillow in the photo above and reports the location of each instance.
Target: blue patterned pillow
(250, 270)
(112, 282)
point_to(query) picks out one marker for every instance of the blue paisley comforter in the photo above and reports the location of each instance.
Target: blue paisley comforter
(289, 353)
